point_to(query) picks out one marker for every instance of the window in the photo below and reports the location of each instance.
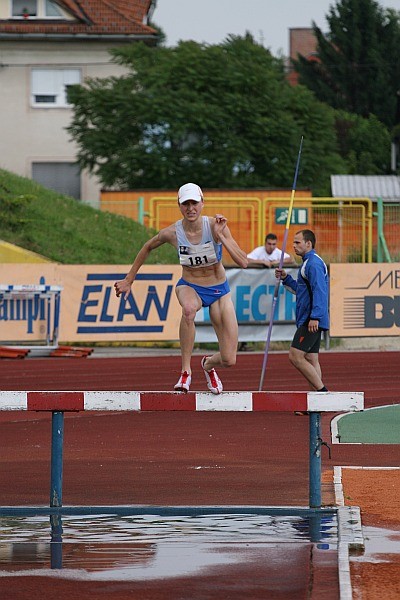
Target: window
(28, 9)
(24, 8)
(63, 177)
(51, 9)
(49, 86)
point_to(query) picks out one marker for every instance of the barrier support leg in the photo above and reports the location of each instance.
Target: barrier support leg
(315, 461)
(56, 546)
(57, 439)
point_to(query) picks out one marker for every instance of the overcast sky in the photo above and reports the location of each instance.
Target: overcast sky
(211, 21)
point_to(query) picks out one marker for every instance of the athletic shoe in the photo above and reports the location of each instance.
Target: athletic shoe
(184, 382)
(214, 383)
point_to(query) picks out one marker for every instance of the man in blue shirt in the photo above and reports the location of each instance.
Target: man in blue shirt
(312, 314)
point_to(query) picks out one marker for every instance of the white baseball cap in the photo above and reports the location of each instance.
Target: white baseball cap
(189, 191)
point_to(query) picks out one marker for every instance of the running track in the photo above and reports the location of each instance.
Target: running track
(247, 458)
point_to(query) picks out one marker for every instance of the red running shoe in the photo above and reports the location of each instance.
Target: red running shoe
(214, 383)
(184, 382)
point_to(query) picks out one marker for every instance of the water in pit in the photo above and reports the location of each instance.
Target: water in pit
(110, 547)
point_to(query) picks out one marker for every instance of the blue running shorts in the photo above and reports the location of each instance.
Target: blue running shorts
(208, 295)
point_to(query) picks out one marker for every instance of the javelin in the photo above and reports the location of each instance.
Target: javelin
(278, 281)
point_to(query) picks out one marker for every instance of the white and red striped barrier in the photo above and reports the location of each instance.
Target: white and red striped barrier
(64, 401)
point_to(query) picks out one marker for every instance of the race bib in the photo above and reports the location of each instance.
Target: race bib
(197, 256)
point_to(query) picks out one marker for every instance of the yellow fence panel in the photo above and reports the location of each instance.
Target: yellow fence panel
(127, 204)
(242, 215)
(391, 229)
(343, 226)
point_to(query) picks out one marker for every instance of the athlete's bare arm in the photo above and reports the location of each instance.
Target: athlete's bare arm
(222, 234)
(164, 236)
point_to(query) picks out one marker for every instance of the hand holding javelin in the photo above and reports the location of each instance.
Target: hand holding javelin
(280, 273)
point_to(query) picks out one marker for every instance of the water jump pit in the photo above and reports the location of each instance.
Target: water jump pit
(129, 547)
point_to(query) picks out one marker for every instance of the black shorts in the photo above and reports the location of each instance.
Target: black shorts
(307, 341)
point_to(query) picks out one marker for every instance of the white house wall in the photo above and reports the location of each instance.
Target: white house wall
(30, 134)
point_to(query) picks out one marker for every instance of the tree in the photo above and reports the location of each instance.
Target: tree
(357, 68)
(363, 143)
(221, 115)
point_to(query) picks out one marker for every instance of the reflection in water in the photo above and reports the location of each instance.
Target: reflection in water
(56, 541)
(139, 547)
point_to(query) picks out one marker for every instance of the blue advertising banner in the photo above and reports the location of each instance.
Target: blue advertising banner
(252, 293)
(90, 311)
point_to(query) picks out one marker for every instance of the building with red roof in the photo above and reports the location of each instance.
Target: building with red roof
(46, 45)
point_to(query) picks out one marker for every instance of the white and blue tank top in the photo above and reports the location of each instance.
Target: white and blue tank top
(206, 253)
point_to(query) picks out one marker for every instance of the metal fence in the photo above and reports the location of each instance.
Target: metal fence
(387, 232)
(133, 208)
(343, 226)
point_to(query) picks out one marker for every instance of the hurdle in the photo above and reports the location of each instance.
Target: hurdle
(59, 402)
(27, 303)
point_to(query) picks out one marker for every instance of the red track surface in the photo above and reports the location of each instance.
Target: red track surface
(251, 458)
(376, 373)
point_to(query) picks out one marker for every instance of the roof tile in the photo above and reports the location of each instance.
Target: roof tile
(92, 17)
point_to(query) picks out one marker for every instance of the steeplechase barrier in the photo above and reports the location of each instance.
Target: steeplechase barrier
(59, 402)
(29, 304)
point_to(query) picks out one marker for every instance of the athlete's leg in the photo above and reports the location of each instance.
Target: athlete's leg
(223, 319)
(310, 369)
(313, 358)
(190, 303)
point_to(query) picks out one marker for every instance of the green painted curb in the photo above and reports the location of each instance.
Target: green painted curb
(379, 425)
